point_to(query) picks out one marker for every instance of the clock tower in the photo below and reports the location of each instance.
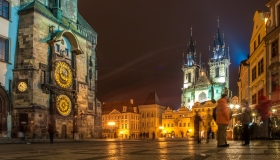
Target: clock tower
(55, 73)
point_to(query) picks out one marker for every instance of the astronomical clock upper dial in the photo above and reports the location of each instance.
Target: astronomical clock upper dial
(63, 105)
(63, 74)
(22, 86)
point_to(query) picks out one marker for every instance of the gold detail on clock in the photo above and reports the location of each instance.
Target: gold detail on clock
(63, 105)
(22, 86)
(63, 74)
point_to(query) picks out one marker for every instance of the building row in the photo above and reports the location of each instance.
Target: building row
(123, 119)
(259, 73)
(48, 70)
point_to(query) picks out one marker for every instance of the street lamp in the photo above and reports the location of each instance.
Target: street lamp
(254, 114)
(110, 125)
(161, 129)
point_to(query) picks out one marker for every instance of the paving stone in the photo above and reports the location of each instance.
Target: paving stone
(167, 149)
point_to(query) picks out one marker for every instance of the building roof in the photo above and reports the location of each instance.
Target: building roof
(108, 107)
(44, 10)
(152, 98)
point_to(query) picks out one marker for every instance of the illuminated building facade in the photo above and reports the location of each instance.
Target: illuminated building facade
(8, 41)
(272, 42)
(151, 116)
(54, 78)
(180, 123)
(243, 81)
(257, 60)
(198, 86)
(120, 119)
(272, 49)
(177, 123)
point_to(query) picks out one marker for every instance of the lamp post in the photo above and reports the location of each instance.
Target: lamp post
(161, 129)
(254, 116)
(111, 124)
(235, 109)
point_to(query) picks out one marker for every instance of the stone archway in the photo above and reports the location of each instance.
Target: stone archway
(63, 132)
(4, 109)
(71, 38)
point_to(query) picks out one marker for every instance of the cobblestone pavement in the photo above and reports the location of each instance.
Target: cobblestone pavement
(160, 149)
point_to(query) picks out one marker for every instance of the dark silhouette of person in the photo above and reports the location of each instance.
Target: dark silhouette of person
(209, 134)
(197, 120)
(51, 132)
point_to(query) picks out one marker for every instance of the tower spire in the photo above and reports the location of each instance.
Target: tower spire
(200, 58)
(218, 22)
(228, 53)
(183, 58)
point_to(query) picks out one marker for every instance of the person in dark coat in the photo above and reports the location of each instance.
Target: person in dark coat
(197, 120)
(245, 119)
(154, 135)
(51, 132)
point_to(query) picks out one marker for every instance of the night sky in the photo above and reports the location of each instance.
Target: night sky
(141, 42)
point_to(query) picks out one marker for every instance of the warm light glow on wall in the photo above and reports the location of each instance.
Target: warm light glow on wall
(111, 123)
(265, 20)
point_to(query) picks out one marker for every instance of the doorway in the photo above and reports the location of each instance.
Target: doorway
(63, 132)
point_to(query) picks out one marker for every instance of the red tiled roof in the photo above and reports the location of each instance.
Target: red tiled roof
(108, 107)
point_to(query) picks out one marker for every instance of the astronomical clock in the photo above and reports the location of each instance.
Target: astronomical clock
(63, 105)
(63, 77)
(63, 74)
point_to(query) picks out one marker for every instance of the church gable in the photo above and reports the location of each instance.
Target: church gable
(115, 112)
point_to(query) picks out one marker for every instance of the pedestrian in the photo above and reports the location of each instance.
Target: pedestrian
(223, 113)
(209, 134)
(51, 132)
(263, 108)
(21, 132)
(197, 120)
(245, 119)
(188, 134)
(154, 135)
(202, 134)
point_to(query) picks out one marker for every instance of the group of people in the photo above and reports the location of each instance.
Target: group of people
(223, 115)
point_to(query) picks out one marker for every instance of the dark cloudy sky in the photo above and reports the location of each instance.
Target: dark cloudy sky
(140, 42)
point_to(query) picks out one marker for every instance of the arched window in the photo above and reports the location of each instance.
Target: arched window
(217, 72)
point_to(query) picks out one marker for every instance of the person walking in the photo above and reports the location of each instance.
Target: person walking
(245, 119)
(263, 108)
(197, 120)
(51, 132)
(223, 113)
(209, 134)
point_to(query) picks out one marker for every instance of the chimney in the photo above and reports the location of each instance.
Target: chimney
(131, 101)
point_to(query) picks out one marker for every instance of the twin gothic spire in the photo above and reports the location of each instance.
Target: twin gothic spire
(219, 50)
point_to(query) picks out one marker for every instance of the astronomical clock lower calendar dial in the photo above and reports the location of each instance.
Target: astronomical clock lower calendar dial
(63, 74)
(63, 105)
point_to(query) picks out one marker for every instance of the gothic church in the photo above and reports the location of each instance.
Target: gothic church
(199, 85)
